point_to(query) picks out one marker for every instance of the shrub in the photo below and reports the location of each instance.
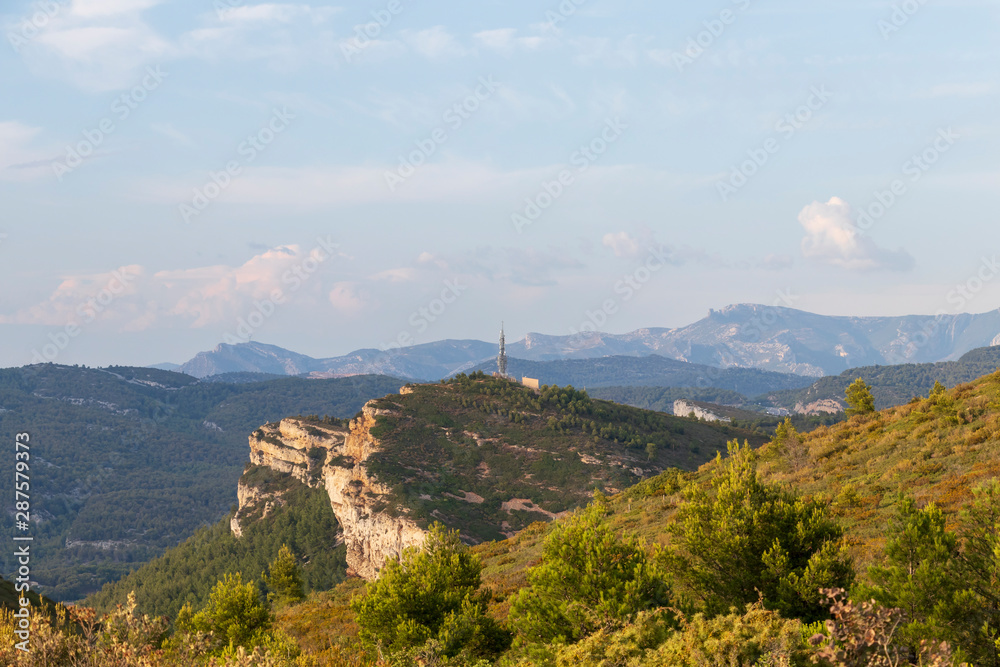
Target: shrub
(859, 398)
(749, 540)
(284, 579)
(589, 580)
(430, 599)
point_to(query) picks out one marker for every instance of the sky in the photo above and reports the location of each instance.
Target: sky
(327, 177)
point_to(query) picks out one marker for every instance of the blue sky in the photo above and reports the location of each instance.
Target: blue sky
(177, 174)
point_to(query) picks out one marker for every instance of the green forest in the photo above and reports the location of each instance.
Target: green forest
(131, 461)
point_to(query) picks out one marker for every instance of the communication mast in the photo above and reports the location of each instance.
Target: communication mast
(502, 357)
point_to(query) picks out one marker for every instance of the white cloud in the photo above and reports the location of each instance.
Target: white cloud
(195, 297)
(348, 298)
(269, 13)
(832, 238)
(506, 41)
(450, 181)
(98, 46)
(435, 43)
(622, 244)
(398, 275)
(95, 8)
(18, 159)
(103, 45)
(499, 40)
(86, 297)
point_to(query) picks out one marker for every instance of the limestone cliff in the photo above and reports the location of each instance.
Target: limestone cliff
(482, 455)
(684, 408)
(332, 457)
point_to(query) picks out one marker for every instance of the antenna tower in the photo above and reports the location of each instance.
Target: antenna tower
(502, 357)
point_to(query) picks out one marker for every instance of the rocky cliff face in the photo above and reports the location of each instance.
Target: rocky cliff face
(684, 408)
(332, 457)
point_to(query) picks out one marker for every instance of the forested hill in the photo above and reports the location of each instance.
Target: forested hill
(892, 385)
(129, 461)
(484, 455)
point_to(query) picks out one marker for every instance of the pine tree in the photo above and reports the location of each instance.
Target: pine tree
(430, 597)
(234, 614)
(750, 540)
(937, 390)
(284, 579)
(918, 575)
(589, 579)
(859, 398)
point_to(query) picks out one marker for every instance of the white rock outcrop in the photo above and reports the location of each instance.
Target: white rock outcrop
(684, 408)
(371, 534)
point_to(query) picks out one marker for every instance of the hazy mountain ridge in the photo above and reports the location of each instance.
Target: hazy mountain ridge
(777, 339)
(651, 371)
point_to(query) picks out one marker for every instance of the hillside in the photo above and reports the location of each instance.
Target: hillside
(932, 449)
(187, 572)
(129, 461)
(484, 455)
(661, 399)
(891, 385)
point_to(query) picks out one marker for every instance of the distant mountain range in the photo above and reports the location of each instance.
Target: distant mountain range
(782, 340)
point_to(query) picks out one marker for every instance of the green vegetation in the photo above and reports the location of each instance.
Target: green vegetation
(234, 615)
(742, 561)
(131, 461)
(589, 580)
(185, 574)
(945, 581)
(284, 578)
(748, 540)
(661, 399)
(720, 402)
(429, 603)
(859, 398)
(891, 385)
(502, 441)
